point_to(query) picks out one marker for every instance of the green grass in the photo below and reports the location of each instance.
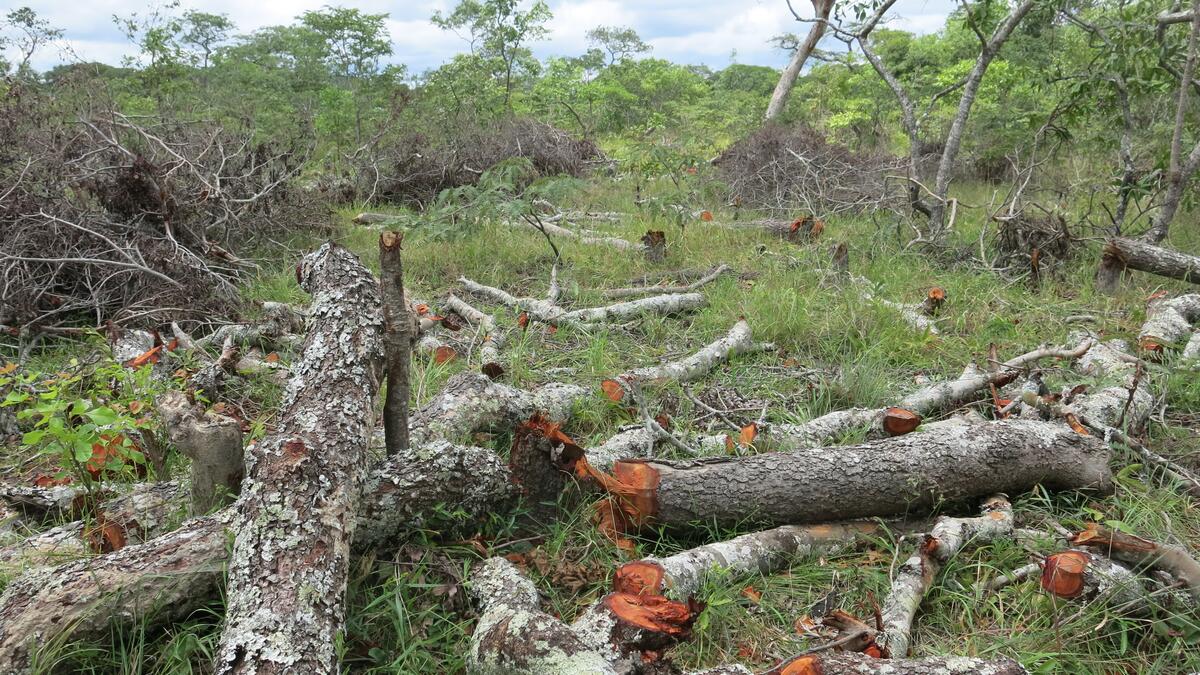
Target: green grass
(408, 612)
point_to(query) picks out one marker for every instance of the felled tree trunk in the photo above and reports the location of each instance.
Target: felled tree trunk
(879, 478)
(1121, 253)
(1169, 322)
(850, 663)
(214, 444)
(490, 339)
(296, 517)
(173, 574)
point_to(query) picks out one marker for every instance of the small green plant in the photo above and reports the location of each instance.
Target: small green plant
(83, 418)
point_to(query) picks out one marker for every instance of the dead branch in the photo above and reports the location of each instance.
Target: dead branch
(688, 288)
(1142, 552)
(737, 341)
(490, 340)
(1121, 253)
(397, 341)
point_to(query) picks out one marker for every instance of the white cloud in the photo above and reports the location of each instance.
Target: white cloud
(690, 31)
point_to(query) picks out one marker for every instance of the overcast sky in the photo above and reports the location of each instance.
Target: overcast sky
(685, 31)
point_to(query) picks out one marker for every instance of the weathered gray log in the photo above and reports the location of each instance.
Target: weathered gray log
(913, 579)
(853, 663)
(878, 478)
(1121, 253)
(514, 636)
(214, 444)
(472, 402)
(296, 517)
(144, 512)
(173, 574)
(397, 339)
(1169, 322)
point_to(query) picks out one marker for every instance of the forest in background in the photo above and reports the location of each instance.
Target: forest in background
(622, 313)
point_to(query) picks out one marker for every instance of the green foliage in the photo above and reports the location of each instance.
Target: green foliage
(83, 418)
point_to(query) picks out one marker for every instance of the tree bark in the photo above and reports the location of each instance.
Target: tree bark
(1169, 322)
(1121, 253)
(988, 51)
(851, 663)
(296, 517)
(880, 478)
(397, 341)
(787, 79)
(173, 574)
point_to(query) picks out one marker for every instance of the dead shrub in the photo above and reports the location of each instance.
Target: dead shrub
(415, 167)
(134, 220)
(793, 169)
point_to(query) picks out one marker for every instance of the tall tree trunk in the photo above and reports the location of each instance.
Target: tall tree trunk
(988, 52)
(1179, 170)
(296, 517)
(787, 79)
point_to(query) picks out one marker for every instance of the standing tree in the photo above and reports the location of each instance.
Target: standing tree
(787, 79)
(354, 44)
(204, 33)
(33, 33)
(499, 31)
(619, 43)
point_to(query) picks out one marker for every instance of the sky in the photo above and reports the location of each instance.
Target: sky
(705, 32)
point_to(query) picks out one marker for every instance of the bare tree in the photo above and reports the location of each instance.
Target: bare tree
(990, 46)
(787, 79)
(1179, 170)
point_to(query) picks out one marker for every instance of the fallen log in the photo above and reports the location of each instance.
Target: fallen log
(1142, 552)
(908, 412)
(852, 663)
(708, 278)
(214, 444)
(878, 478)
(547, 227)
(367, 218)
(490, 339)
(914, 578)
(472, 402)
(142, 513)
(1089, 578)
(171, 575)
(739, 340)
(1122, 253)
(1169, 322)
(549, 312)
(296, 517)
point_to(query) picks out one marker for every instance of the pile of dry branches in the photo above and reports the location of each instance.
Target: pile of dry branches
(415, 167)
(132, 219)
(787, 169)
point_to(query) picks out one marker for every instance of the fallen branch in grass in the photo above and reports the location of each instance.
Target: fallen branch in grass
(851, 663)
(687, 288)
(1121, 253)
(1133, 550)
(908, 412)
(490, 340)
(1090, 578)
(547, 227)
(738, 341)
(879, 478)
(914, 578)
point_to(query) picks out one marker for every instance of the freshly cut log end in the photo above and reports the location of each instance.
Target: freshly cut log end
(639, 577)
(654, 613)
(805, 229)
(933, 301)
(850, 663)
(613, 390)
(898, 421)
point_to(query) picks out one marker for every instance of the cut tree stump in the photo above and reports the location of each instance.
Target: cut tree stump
(214, 444)
(296, 517)
(397, 341)
(880, 478)
(1122, 253)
